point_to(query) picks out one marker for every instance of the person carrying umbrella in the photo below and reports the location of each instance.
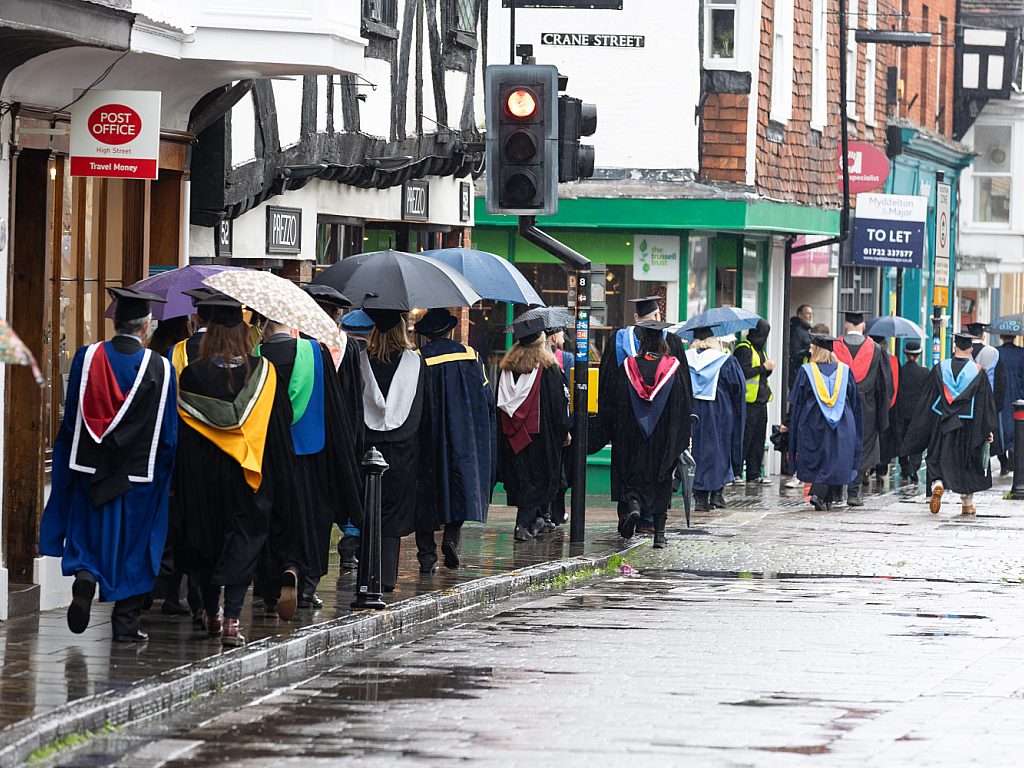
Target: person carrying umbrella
(955, 421)
(326, 475)
(399, 423)
(913, 380)
(533, 426)
(825, 424)
(873, 375)
(719, 392)
(462, 409)
(106, 517)
(988, 358)
(757, 367)
(651, 428)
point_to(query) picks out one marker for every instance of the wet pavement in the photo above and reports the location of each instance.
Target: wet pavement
(767, 635)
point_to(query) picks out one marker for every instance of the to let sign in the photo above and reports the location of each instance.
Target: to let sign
(889, 231)
(867, 165)
(115, 134)
(284, 230)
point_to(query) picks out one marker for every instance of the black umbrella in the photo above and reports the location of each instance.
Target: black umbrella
(688, 468)
(554, 317)
(397, 280)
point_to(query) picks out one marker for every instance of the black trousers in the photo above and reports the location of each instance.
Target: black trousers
(390, 548)
(127, 615)
(526, 515)
(426, 546)
(753, 438)
(234, 597)
(827, 492)
(910, 465)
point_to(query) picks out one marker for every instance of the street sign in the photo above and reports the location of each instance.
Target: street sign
(656, 257)
(115, 134)
(868, 167)
(889, 230)
(943, 194)
(940, 296)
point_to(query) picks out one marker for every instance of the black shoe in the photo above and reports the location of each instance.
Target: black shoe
(174, 608)
(522, 533)
(348, 551)
(718, 500)
(659, 533)
(818, 503)
(701, 501)
(137, 636)
(428, 567)
(628, 527)
(311, 601)
(451, 555)
(854, 501)
(537, 527)
(82, 593)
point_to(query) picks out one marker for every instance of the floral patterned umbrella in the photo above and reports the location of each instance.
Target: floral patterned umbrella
(14, 351)
(280, 300)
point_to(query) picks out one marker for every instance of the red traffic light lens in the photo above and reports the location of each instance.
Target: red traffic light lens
(521, 103)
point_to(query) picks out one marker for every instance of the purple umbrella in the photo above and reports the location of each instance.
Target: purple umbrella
(170, 285)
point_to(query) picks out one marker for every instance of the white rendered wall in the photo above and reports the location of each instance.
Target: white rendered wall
(288, 102)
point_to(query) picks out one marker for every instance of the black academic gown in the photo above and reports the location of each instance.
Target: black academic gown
(913, 381)
(224, 524)
(532, 476)
(955, 443)
(875, 397)
(327, 483)
(1011, 360)
(642, 467)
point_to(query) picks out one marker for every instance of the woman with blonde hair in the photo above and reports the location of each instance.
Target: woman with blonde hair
(396, 411)
(533, 424)
(825, 424)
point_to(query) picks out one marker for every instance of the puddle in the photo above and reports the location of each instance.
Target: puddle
(937, 615)
(773, 701)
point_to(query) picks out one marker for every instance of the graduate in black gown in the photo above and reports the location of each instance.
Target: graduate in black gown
(913, 380)
(234, 465)
(955, 421)
(825, 424)
(1011, 360)
(872, 370)
(990, 360)
(533, 426)
(462, 408)
(326, 471)
(889, 439)
(651, 429)
(396, 412)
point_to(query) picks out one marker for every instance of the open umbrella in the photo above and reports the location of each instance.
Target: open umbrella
(171, 285)
(14, 351)
(279, 299)
(1008, 324)
(397, 280)
(554, 317)
(492, 276)
(897, 327)
(722, 320)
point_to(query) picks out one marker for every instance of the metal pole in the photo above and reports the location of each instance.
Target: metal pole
(1017, 491)
(368, 591)
(512, 32)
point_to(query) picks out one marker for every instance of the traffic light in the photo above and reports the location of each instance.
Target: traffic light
(522, 139)
(575, 119)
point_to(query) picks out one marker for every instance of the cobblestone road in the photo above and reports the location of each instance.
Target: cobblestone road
(897, 640)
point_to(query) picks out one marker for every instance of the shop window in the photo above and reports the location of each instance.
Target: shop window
(381, 11)
(697, 279)
(752, 292)
(858, 289)
(463, 15)
(720, 30)
(992, 179)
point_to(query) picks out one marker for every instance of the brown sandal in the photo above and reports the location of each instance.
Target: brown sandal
(935, 503)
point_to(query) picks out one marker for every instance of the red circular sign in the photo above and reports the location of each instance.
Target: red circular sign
(868, 167)
(115, 124)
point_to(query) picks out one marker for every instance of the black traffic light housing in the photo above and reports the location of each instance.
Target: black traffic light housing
(521, 104)
(575, 119)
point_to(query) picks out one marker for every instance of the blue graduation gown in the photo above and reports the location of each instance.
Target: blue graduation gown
(464, 423)
(122, 541)
(718, 436)
(1011, 358)
(820, 453)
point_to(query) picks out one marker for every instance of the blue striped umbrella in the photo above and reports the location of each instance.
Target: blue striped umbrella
(721, 320)
(492, 276)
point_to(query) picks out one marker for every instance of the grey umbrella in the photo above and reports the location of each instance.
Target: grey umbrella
(554, 317)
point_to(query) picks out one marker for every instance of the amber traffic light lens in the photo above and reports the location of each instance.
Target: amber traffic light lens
(521, 103)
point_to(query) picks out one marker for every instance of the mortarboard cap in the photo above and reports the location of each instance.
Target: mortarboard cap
(854, 318)
(527, 331)
(132, 304)
(384, 319)
(645, 305)
(325, 294)
(198, 294)
(912, 347)
(703, 333)
(822, 341)
(436, 322)
(963, 340)
(653, 325)
(357, 322)
(976, 329)
(222, 309)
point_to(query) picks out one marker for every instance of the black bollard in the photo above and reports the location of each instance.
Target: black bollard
(1017, 491)
(368, 592)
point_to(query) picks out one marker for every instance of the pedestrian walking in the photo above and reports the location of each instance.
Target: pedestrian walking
(396, 412)
(757, 367)
(913, 380)
(325, 470)
(168, 333)
(889, 439)
(650, 429)
(234, 465)
(873, 374)
(988, 358)
(719, 392)
(556, 337)
(465, 444)
(1011, 358)
(106, 517)
(955, 421)
(533, 425)
(825, 424)
(799, 340)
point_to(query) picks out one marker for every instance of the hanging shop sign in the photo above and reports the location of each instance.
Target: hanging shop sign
(465, 200)
(284, 230)
(868, 167)
(224, 237)
(592, 40)
(656, 257)
(943, 195)
(115, 134)
(889, 231)
(415, 201)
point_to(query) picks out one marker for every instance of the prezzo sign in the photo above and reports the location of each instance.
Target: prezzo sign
(889, 231)
(416, 201)
(591, 39)
(655, 257)
(115, 134)
(284, 230)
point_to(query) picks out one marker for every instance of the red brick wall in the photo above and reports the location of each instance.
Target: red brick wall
(725, 137)
(921, 67)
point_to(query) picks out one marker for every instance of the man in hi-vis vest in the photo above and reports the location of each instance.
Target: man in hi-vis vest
(757, 367)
